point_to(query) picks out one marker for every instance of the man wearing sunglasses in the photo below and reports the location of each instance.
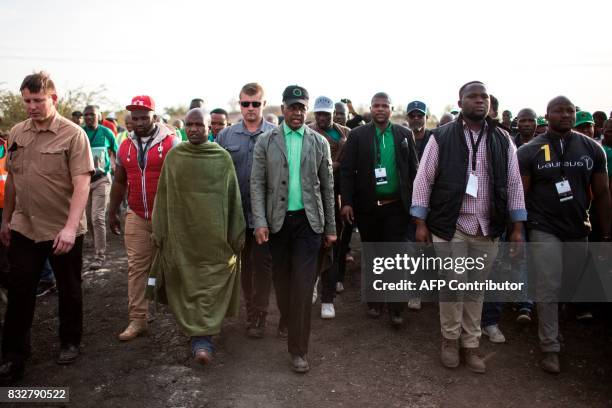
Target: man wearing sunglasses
(239, 140)
(292, 191)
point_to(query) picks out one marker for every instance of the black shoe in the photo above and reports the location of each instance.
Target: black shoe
(10, 372)
(283, 332)
(374, 312)
(524, 316)
(68, 354)
(396, 318)
(45, 288)
(257, 328)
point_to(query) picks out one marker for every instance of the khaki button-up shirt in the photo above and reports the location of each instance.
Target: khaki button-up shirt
(41, 163)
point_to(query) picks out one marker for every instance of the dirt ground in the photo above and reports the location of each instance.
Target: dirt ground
(355, 361)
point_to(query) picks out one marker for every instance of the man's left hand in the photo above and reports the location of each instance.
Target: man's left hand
(516, 242)
(64, 241)
(330, 239)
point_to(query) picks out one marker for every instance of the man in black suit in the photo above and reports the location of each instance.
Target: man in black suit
(377, 171)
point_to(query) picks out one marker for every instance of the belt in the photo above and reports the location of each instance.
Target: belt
(380, 203)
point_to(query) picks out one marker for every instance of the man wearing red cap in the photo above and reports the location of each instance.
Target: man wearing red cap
(138, 166)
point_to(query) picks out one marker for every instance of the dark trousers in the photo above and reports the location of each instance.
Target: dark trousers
(328, 267)
(26, 260)
(255, 276)
(295, 250)
(387, 223)
(343, 248)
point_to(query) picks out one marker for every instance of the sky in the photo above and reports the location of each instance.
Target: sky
(527, 52)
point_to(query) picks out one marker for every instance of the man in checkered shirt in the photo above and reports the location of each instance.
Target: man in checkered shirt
(468, 199)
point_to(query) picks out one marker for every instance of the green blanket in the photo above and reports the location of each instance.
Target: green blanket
(198, 232)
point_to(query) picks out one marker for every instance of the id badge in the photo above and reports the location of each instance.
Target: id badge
(472, 186)
(564, 190)
(381, 176)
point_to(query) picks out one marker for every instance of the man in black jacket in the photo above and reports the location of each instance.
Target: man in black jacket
(377, 171)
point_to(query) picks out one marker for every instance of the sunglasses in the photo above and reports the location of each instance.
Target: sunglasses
(255, 104)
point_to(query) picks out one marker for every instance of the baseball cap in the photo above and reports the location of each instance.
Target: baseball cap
(541, 121)
(295, 94)
(454, 111)
(583, 117)
(111, 116)
(324, 104)
(417, 105)
(141, 102)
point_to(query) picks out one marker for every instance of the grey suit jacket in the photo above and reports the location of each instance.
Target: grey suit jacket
(270, 181)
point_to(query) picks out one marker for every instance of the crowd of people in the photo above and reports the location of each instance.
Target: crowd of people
(208, 210)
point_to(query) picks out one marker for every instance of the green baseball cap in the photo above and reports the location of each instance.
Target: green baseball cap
(583, 117)
(541, 121)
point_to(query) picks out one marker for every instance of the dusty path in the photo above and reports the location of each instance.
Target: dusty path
(355, 361)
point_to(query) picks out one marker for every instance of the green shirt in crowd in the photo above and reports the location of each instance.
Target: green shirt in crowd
(333, 133)
(385, 144)
(293, 141)
(101, 140)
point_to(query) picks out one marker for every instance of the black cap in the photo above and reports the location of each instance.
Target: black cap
(295, 94)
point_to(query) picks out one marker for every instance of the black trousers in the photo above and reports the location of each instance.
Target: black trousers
(256, 276)
(26, 259)
(295, 250)
(344, 239)
(387, 223)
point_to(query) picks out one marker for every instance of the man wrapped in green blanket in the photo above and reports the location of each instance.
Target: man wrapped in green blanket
(198, 231)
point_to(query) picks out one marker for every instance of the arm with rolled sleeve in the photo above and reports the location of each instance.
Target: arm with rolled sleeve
(424, 180)
(258, 184)
(326, 178)
(516, 197)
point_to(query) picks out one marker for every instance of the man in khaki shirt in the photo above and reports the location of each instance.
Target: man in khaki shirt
(49, 170)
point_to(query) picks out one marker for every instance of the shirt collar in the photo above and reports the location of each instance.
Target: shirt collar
(467, 128)
(387, 129)
(53, 126)
(287, 130)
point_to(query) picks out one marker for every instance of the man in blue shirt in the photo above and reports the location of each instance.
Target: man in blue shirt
(239, 140)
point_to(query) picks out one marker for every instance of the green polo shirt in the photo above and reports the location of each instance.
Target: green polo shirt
(293, 142)
(387, 160)
(333, 133)
(101, 140)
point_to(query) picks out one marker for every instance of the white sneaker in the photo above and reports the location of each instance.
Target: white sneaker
(327, 311)
(414, 303)
(494, 334)
(314, 292)
(339, 287)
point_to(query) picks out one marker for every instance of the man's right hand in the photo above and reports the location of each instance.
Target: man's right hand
(115, 224)
(261, 235)
(5, 234)
(347, 214)
(422, 232)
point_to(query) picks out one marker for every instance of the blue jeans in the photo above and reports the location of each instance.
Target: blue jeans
(202, 342)
(47, 273)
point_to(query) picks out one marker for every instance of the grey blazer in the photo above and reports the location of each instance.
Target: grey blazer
(270, 181)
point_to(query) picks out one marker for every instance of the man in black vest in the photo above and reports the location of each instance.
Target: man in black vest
(376, 189)
(468, 200)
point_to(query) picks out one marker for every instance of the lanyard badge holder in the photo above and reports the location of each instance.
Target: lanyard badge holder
(563, 187)
(380, 173)
(472, 184)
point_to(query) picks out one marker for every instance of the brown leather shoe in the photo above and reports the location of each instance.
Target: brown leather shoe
(550, 363)
(135, 328)
(450, 353)
(473, 360)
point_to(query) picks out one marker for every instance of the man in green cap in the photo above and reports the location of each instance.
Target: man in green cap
(541, 125)
(198, 232)
(584, 124)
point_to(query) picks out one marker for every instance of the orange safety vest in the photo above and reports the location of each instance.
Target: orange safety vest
(3, 170)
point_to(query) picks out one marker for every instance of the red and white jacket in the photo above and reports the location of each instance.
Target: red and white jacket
(142, 183)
